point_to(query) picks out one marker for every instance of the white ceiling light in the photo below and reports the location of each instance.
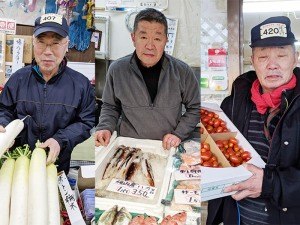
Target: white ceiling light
(271, 6)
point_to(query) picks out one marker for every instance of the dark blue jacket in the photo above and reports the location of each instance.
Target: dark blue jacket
(62, 108)
(281, 182)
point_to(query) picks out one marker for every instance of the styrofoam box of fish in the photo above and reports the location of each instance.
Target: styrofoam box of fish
(158, 173)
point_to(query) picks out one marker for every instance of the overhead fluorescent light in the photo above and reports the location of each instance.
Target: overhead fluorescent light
(271, 6)
(297, 43)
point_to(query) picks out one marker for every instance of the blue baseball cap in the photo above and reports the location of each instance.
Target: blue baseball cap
(274, 31)
(51, 22)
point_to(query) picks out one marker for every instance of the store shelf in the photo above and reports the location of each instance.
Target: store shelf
(207, 91)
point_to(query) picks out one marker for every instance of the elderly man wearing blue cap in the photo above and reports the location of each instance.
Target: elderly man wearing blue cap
(59, 100)
(264, 105)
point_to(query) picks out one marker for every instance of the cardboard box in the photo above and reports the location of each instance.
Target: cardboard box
(27, 54)
(214, 180)
(86, 177)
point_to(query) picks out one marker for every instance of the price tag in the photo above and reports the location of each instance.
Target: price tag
(131, 188)
(187, 174)
(69, 200)
(187, 196)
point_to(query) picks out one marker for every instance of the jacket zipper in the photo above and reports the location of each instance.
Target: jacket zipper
(280, 120)
(42, 110)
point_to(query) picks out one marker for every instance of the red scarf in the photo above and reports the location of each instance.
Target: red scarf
(271, 99)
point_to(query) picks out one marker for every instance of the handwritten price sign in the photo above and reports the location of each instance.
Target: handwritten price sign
(187, 174)
(187, 197)
(131, 188)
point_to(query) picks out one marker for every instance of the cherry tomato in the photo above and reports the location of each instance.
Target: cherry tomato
(219, 129)
(235, 159)
(207, 164)
(216, 123)
(233, 140)
(205, 156)
(246, 155)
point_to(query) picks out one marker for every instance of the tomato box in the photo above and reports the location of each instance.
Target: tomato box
(214, 180)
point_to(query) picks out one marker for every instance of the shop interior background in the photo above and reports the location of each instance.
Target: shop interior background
(226, 25)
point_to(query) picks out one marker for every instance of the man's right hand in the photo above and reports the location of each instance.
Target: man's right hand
(2, 129)
(102, 137)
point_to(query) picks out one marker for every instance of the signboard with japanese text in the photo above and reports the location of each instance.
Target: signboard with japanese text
(18, 47)
(172, 30)
(8, 26)
(69, 199)
(217, 58)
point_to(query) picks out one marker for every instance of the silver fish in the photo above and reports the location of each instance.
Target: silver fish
(111, 166)
(130, 158)
(147, 170)
(108, 216)
(133, 168)
(123, 217)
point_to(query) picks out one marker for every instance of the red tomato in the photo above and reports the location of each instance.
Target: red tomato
(205, 156)
(217, 123)
(215, 164)
(219, 143)
(207, 164)
(219, 129)
(235, 159)
(246, 155)
(206, 146)
(233, 140)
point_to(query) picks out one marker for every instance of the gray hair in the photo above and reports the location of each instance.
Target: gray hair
(151, 15)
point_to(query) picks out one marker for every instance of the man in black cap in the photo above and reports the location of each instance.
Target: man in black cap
(264, 105)
(59, 100)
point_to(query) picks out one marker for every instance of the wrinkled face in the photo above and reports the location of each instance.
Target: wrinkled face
(49, 50)
(274, 65)
(149, 41)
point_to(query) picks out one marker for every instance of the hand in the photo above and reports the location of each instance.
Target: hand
(170, 140)
(54, 149)
(102, 137)
(2, 130)
(249, 188)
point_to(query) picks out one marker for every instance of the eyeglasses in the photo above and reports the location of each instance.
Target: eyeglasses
(55, 46)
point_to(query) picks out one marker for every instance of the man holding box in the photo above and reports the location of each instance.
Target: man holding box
(264, 105)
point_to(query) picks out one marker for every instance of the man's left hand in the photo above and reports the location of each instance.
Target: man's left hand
(170, 140)
(250, 188)
(54, 149)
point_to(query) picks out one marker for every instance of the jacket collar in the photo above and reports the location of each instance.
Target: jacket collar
(133, 62)
(35, 70)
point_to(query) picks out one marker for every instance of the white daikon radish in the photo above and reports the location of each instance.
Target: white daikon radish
(53, 197)
(6, 177)
(19, 193)
(12, 131)
(37, 192)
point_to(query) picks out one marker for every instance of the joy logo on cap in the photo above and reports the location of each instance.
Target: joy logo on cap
(273, 30)
(53, 18)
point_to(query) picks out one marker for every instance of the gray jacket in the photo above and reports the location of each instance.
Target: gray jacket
(125, 93)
